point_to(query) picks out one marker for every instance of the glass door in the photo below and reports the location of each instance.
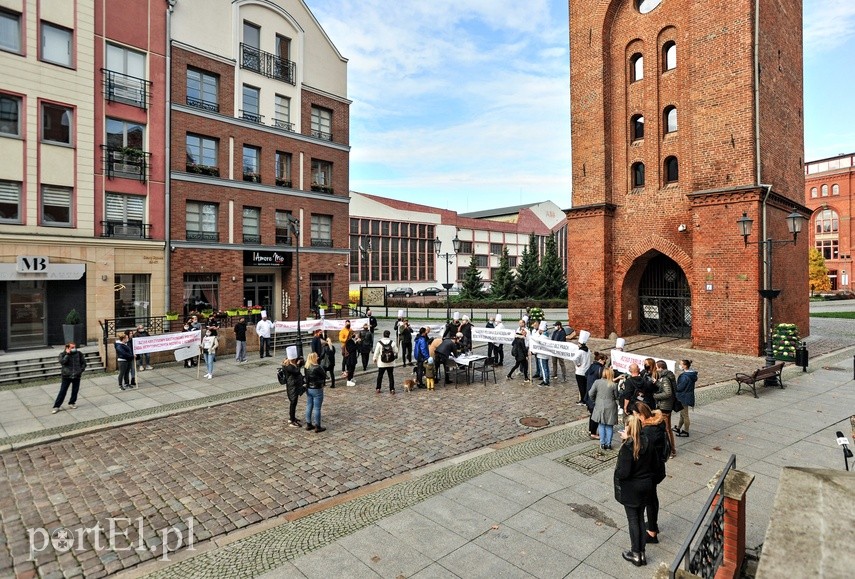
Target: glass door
(27, 321)
(258, 291)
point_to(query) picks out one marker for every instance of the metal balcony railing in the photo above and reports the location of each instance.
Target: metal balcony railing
(249, 238)
(280, 124)
(322, 135)
(200, 104)
(125, 162)
(267, 64)
(126, 89)
(193, 235)
(323, 189)
(132, 229)
(284, 239)
(251, 116)
(283, 182)
(321, 242)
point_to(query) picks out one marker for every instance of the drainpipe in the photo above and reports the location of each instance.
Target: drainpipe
(168, 155)
(758, 169)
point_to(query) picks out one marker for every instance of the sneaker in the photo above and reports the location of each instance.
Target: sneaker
(349, 383)
(73, 406)
(206, 376)
(508, 376)
(142, 368)
(123, 387)
(149, 367)
(377, 391)
(580, 403)
(392, 392)
(293, 424)
(210, 376)
(54, 411)
(320, 429)
(309, 426)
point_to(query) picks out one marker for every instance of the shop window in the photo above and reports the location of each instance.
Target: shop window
(201, 292)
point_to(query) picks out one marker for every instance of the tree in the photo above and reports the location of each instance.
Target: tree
(529, 277)
(817, 272)
(504, 280)
(473, 285)
(554, 282)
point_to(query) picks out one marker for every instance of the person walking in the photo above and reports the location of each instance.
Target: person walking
(365, 345)
(292, 367)
(143, 359)
(349, 352)
(240, 340)
(124, 358)
(637, 472)
(666, 386)
(385, 353)
(264, 329)
(499, 348)
(406, 334)
(315, 379)
(209, 350)
(603, 393)
(343, 335)
(73, 363)
(519, 352)
(327, 360)
(422, 353)
(685, 396)
(559, 335)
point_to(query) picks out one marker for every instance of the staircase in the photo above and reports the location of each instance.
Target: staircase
(42, 364)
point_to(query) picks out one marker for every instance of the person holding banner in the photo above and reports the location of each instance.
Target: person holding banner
(124, 357)
(559, 335)
(519, 350)
(490, 345)
(543, 359)
(499, 349)
(263, 328)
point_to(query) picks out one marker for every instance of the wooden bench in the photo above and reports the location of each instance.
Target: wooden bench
(761, 374)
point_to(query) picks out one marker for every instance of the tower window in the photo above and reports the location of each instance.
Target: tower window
(813, 192)
(824, 190)
(669, 56)
(636, 127)
(637, 175)
(835, 189)
(645, 6)
(669, 119)
(671, 170)
(636, 67)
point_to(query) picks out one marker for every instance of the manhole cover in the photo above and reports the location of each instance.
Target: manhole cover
(835, 368)
(534, 422)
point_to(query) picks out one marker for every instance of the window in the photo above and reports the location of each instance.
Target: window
(495, 249)
(636, 67)
(638, 174)
(283, 228)
(825, 190)
(56, 205)
(669, 119)
(283, 169)
(322, 230)
(465, 247)
(201, 221)
(283, 47)
(133, 297)
(251, 170)
(203, 90)
(56, 123)
(813, 192)
(251, 34)
(202, 155)
(10, 31)
(826, 221)
(250, 109)
(829, 248)
(10, 115)
(669, 56)
(512, 261)
(125, 216)
(126, 79)
(56, 44)
(251, 225)
(322, 176)
(10, 202)
(481, 260)
(636, 127)
(671, 170)
(645, 6)
(282, 113)
(835, 189)
(125, 134)
(322, 123)
(201, 292)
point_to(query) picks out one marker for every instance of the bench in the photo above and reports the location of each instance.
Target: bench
(772, 373)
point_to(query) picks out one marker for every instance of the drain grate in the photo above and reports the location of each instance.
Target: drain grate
(590, 461)
(533, 422)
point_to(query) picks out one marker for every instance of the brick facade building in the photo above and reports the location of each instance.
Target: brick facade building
(829, 188)
(682, 112)
(259, 138)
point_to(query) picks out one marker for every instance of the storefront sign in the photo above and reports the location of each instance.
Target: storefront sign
(41, 270)
(32, 263)
(267, 259)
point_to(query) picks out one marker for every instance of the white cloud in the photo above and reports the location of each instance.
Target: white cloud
(827, 25)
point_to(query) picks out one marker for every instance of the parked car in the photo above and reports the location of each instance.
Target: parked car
(430, 291)
(400, 292)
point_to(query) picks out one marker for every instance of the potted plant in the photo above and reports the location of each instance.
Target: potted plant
(242, 311)
(232, 311)
(322, 306)
(336, 306)
(171, 315)
(72, 329)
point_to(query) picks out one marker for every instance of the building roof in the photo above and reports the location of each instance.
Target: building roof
(501, 211)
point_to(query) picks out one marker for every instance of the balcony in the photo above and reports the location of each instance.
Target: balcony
(248, 238)
(200, 104)
(122, 88)
(284, 239)
(131, 229)
(323, 189)
(251, 116)
(280, 124)
(283, 182)
(323, 135)
(267, 64)
(127, 162)
(321, 242)
(194, 235)
(203, 169)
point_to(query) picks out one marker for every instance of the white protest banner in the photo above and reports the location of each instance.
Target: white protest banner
(305, 326)
(539, 344)
(492, 335)
(186, 353)
(622, 360)
(437, 330)
(164, 342)
(339, 324)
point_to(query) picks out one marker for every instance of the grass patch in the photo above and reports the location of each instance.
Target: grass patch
(841, 315)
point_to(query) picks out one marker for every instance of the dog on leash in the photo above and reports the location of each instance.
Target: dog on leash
(409, 384)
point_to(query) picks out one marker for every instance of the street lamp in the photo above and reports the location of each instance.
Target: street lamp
(795, 222)
(294, 225)
(365, 252)
(437, 244)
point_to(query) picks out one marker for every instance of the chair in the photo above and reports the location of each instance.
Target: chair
(483, 368)
(456, 370)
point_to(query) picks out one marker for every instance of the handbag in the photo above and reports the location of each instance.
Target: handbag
(678, 406)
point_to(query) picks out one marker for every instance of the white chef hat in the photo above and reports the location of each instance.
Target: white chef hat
(456, 316)
(583, 336)
(525, 318)
(543, 326)
(498, 317)
(620, 343)
(400, 313)
(291, 352)
(465, 318)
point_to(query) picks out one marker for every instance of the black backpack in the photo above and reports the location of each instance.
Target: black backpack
(387, 354)
(281, 376)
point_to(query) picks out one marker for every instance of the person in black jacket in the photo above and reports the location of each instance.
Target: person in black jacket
(519, 351)
(317, 345)
(592, 374)
(124, 357)
(447, 348)
(240, 340)
(365, 345)
(638, 471)
(293, 367)
(405, 332)
(328, 360)
(654, 427)
(73, 364)
(315, 379)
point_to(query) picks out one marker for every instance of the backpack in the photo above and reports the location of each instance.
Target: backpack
(387, 354)
(281, 376)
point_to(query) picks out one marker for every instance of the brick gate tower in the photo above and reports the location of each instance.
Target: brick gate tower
(685, 114)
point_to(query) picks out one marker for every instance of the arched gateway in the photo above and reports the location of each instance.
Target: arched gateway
(665, 299)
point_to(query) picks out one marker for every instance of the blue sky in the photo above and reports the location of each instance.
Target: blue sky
(463, 105)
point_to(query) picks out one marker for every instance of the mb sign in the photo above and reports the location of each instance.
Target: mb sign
(32, 264)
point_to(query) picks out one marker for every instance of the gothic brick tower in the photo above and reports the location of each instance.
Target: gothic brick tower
(682, 113)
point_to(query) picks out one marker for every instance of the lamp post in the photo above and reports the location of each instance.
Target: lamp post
(437, 244)
(365, 252)
(294, 225)
(794, 223)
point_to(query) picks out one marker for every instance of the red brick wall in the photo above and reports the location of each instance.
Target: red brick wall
(182, 59)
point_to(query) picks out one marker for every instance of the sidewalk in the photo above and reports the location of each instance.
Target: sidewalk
(543, 507)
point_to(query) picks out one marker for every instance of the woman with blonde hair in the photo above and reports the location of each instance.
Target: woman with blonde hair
(316, 376)
(654, 427)
(603, 394)
(637, 472)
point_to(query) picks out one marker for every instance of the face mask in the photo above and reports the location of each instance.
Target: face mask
(73, 350)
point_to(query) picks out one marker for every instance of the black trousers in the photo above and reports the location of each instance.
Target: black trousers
(491, 353)
(364, 356)
(420, 371)
(380, 372)
(292, 409)
(350, 366)
(442, 360)
(582, 384)
(523, 366)
(499, 353)
(635, 522)
(124, 372)
(652, 509)
(406, 352)
(331, 372)
(74, 382)
(263, 346)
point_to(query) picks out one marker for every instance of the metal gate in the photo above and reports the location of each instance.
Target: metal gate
(665, 301)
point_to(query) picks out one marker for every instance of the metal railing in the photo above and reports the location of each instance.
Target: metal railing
(250, 116)
(123, 88)
(280, 124)
(248, 238)
(267, 64)
(125, 162)
(705, 558)
(126, 229)
(200, 104)
(321, 242)
(192, 235)
(323, 189)
(284, 240)
(324, 135)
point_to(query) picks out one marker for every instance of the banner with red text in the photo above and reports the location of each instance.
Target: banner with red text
(165, 342)
(622, 360)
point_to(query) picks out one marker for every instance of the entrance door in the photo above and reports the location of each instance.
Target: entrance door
(258, 291)
(27, 319)
(665, 299)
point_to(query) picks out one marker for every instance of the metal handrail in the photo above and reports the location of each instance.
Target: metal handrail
(125, 162)
(708, 553)
(124, 88)
(267, 64)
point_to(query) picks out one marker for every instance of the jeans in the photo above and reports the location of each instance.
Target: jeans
(124, 372)
(144, 360)
(210, 358)
(635, 523)
(380, 373)
(264, 346)
(314, 400)
(420, 371)
(240, 351)
(63, 389)
(606, 432)
(543, 364)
